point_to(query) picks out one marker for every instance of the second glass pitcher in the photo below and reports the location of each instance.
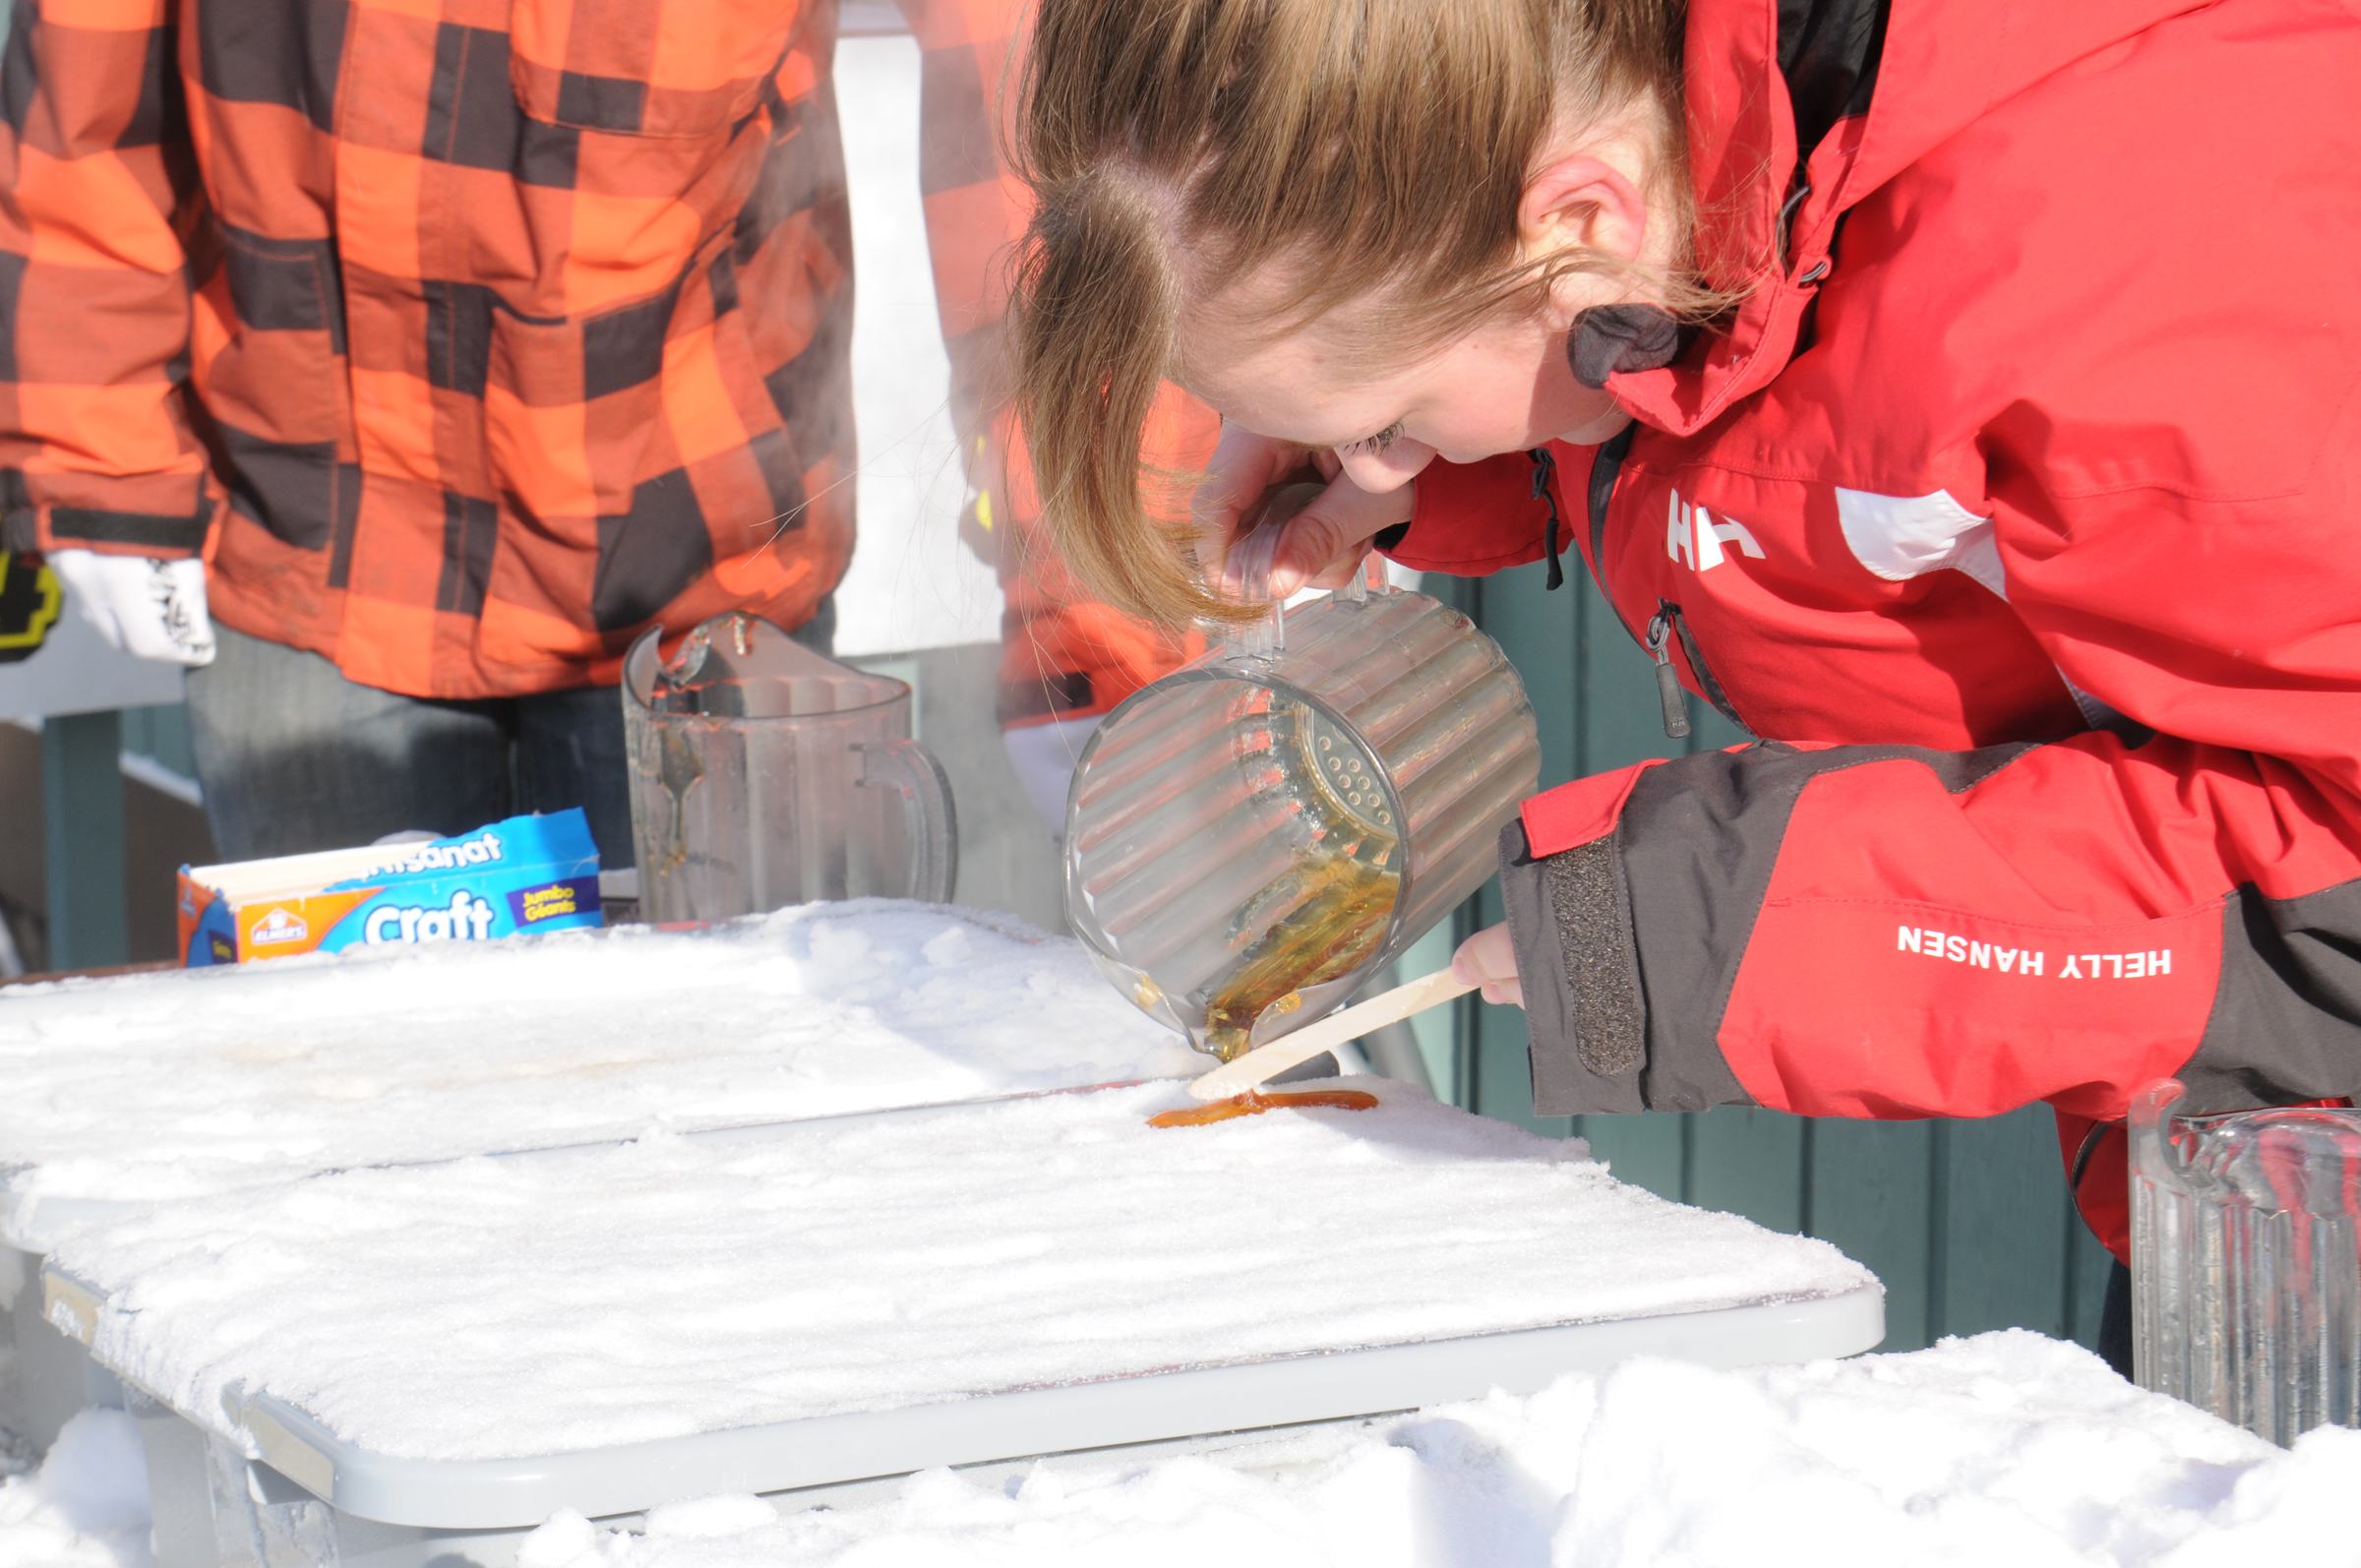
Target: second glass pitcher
(1250, 837)
(764, 774)
(2246, 1261)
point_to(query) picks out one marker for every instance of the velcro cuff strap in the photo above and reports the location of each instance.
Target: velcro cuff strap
(1569, 917)
(1594, 943)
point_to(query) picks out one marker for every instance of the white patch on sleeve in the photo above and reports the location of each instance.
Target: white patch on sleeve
(1900, 537)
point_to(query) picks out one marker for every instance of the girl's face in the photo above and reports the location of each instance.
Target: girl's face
(1503, 386)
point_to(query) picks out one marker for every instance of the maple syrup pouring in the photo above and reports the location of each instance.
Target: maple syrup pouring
(1343, 905)
(1253, 1102)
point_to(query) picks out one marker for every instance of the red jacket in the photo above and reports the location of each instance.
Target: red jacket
(2019, 514)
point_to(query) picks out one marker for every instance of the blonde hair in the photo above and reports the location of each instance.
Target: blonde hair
(1377, 150)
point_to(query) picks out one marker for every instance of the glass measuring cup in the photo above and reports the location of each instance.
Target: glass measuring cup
(2246, 1261)
(1250, 837)
(764, 774)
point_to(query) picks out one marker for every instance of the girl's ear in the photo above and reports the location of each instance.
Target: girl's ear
(1586, 202)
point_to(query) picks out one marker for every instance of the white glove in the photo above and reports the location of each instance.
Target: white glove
(149, 609)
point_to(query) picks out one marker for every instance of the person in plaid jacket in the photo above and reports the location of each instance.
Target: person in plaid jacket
(462, 341)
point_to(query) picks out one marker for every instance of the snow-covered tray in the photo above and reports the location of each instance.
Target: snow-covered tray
(130, 1090)
(188, 1082)
(477, 1344)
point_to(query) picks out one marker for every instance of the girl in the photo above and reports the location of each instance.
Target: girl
(1966, 398)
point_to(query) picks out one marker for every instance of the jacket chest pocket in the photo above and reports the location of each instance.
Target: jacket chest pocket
(678, 68)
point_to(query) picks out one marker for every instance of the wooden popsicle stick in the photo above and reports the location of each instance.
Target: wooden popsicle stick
(1253, 1069)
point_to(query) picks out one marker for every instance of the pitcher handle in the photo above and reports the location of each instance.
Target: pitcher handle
(1252, 560)
(1369, 578)
(910, 770)
(2150, 1125)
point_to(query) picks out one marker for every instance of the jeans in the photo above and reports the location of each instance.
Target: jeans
(293, 757)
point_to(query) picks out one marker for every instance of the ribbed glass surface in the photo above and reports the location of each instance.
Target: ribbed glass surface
(2246, 1262)
(1252, 837)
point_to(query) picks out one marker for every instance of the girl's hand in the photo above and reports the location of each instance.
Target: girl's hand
(1329, 520)
(1488, 959)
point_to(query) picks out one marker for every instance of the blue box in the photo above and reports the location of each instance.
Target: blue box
(527, 874)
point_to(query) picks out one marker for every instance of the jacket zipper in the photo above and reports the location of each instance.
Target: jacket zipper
(1667, 620)
(1668, 683)
(1606, 464)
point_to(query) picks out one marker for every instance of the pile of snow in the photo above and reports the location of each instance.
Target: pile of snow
(87, 1506)
(581, 1299)
(2006, 1449)
(175, 1084)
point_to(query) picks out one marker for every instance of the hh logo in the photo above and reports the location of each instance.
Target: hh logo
(1695, 535)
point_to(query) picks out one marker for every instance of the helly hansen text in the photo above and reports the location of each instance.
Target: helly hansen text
(1951, 947)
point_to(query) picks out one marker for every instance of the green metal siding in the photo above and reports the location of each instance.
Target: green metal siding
(162, 735)
(1968, 1223)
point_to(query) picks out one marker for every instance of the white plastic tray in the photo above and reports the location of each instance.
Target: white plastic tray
(1010, 1423)
(148, 1024)
(1157, 1404)
(180, 1083)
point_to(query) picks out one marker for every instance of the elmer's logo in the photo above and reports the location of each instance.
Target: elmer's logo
(277, 929)
(1695, 536)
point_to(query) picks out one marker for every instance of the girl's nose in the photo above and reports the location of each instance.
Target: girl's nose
(1380, 471)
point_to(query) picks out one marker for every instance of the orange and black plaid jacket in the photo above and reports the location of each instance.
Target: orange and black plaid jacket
(465, 337)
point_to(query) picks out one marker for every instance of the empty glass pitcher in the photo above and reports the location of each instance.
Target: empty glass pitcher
(1250, 837)
(764, 774)
(2246, 1262)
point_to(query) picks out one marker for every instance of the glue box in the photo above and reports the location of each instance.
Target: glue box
(528, 874)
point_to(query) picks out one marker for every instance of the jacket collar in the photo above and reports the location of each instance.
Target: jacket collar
(1919, 75)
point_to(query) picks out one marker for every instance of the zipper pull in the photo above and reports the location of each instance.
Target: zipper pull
(1544, 471)
(1667, 681)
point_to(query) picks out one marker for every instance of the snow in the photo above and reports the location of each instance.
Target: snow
(87, 1506)
(590, 1298)
(171, 1085)
(2008, 1448)
(585, 1297)
(2004, 1448)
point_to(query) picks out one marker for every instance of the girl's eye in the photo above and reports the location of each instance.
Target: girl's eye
(1372, 443)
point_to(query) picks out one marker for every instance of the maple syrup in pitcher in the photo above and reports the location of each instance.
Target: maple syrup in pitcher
(1342, 888)
(1250, 837)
